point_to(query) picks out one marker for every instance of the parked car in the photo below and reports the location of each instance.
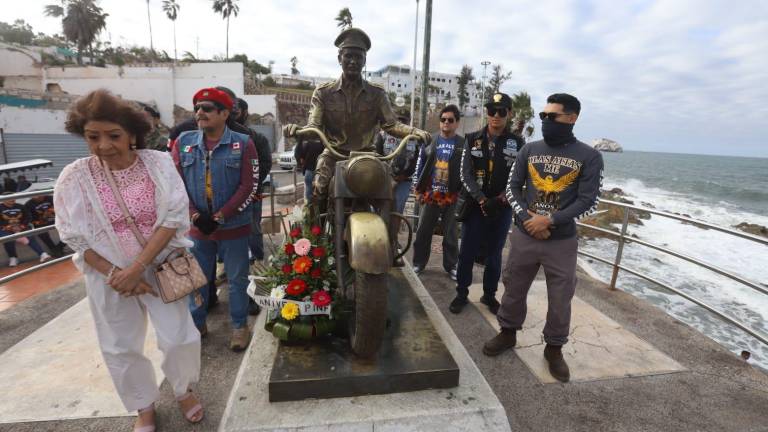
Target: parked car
(286, 160)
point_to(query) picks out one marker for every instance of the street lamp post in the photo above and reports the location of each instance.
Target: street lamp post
(413, 69)
(485, 64)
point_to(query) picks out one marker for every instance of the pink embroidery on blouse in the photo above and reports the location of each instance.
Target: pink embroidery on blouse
(138, 192)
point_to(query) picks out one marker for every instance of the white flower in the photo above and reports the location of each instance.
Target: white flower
(297, 215)
(278, 292)
(330, 260)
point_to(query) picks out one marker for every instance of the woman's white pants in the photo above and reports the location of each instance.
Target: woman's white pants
(121, 327)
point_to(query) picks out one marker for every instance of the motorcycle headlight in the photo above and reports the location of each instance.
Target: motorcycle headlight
(365, 175)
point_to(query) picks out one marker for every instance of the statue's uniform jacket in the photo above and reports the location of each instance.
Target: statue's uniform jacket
(350, 116)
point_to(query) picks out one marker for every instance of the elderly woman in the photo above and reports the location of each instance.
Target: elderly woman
(118, 271)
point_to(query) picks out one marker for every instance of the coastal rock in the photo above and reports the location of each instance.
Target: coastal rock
(606, 145)
(753, 229)
(609, 216)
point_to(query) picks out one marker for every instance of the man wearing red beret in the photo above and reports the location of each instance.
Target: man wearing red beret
(220, 169)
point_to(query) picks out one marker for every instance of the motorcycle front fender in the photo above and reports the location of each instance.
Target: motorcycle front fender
(368, 243)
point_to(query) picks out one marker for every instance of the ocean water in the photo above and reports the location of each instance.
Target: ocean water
(721, 190)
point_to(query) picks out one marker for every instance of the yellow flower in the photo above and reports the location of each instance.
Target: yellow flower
(290, 311)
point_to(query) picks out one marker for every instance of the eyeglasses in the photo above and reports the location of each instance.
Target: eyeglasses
(205, 107)
(502, 112)
(447, 119)
(550, 115)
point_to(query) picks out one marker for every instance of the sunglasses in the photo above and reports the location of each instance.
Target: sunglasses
(447, 119)
(502, 112)
(550, 115)
(205, 107)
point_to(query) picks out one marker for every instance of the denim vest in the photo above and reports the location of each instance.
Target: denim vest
(226, 159)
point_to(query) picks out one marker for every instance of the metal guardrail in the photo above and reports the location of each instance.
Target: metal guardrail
(623, 239)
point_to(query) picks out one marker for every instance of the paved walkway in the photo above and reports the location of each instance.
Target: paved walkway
(716, 391)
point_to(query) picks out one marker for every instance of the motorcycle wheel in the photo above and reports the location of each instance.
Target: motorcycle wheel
(369, 319)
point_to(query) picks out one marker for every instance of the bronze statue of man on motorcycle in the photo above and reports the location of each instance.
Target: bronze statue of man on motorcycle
(346, 114)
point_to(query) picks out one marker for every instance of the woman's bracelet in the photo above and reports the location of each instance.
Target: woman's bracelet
(112, 271)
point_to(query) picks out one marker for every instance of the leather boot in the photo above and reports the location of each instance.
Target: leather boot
(557, 365)
(503, 341)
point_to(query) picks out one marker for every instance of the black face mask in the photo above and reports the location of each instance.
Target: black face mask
(556, 134)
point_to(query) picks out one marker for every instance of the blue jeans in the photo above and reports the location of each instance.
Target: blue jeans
(477, 228)
(10, 247)
(401, 192)
(256, 239)
(309, 176)
(235, 255)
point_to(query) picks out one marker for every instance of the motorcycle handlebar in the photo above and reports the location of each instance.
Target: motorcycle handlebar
(337, 155)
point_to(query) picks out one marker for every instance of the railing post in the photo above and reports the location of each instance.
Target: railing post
(620, 249)
(272, 208)
(295, 188)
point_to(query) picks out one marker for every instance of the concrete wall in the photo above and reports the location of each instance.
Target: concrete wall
(32, 121)
(162, 85)
(19, 67)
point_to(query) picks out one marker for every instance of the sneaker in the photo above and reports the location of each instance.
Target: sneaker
(453, 275)
(458, 304)
(13, 262)
(557, 365)
(240, 339)
(417, 269)
(503, 341)
(491, 302)
(44, 257)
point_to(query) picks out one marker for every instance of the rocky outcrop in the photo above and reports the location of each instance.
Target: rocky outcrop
(606, 145)
(753, 229)
(611, 217)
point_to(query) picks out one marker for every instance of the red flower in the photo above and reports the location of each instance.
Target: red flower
(316, 230)
(321, 298)
(302, 264)
(296, 232)
(295, 287)
(318, 252)
(316, 273)
(287, 268)
(289, 248)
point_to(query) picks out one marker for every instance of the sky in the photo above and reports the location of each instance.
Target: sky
(678, 76)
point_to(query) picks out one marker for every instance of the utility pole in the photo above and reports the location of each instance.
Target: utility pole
(413, 70)
(485, 64)
(425, 67)
(149, 19)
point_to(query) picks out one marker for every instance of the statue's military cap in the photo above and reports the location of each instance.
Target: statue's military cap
(353, 38)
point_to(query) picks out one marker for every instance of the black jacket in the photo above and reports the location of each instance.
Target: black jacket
(476, 166)
(308, 149)
(404, 164)
(426, 166)
(259, 140)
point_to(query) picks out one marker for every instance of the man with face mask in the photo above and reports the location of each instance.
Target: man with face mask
(562, 178)
(486, 160)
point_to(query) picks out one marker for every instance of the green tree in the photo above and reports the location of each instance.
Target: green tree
(498, 77)
(294, 63)
(19, 32)
(522, 113)
(252, 66)
(171, 9)
(188, 57)
(226, 8)
(81, 22)
(465, 76)
(344, 19)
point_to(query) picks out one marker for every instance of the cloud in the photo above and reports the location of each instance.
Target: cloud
(652, 74)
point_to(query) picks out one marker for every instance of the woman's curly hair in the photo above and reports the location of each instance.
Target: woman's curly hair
(101, 105)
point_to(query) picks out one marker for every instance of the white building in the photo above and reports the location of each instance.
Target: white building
(444, 87)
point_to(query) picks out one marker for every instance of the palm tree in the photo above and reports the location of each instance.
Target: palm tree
(82, 21)
(226, 8)
(171, 9)
(149, 20)
(522, 112)
(344, 19)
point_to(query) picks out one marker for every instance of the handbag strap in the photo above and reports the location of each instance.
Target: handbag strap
(123, 208)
